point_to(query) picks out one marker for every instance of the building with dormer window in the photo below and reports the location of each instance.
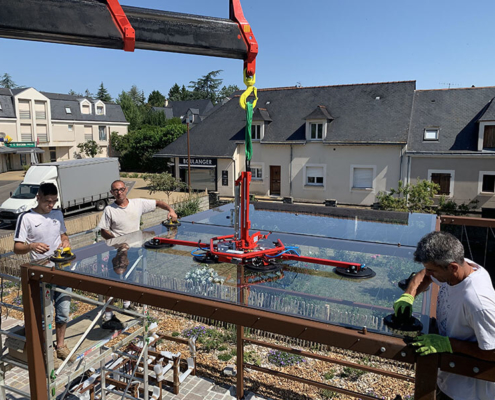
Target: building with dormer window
(452, 142)
(344, 142)
(47, 127)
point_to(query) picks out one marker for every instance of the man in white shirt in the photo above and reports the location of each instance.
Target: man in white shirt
(121, 218)
(465, 312)
(40, 232)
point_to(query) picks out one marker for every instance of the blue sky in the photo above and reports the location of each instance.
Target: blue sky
(314, 42)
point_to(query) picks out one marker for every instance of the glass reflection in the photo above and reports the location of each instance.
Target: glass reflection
(300, 289)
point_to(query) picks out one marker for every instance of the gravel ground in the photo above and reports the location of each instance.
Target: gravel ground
(211, 366)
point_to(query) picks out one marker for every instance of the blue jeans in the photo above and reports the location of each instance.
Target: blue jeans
(61, 304)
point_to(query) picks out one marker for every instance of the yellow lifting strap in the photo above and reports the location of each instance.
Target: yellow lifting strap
(249, 81)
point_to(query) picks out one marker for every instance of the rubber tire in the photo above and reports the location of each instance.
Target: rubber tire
(100, 205)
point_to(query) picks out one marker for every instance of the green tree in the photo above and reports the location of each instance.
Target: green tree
(7, 82)
(133, 112)
(88, 94)
(165, 183)
(227, 91)
(90, 148)
(103, 94)
(74, 93)
(156, 99)
(174, 94)
(419, 197)
(138, 147)
(136, 95)
(207, 87)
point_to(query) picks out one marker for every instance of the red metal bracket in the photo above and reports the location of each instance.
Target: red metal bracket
(237, 15)
(125, 27)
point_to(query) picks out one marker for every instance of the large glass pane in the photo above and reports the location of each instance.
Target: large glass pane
(300, 289)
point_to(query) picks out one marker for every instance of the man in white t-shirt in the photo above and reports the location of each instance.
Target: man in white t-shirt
(40, 232)
(121, 218)
(465, 312)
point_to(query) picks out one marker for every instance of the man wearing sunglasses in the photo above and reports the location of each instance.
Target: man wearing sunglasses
(121, 218)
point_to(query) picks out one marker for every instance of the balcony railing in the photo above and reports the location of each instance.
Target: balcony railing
(43, 138)
(25, 114)
(40, 114)
(26, 137)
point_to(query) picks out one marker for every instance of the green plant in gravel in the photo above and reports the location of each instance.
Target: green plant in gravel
(329, 375)
(73, 307)
(284, 359)
(222, 348)
(352, 374)
(328, 394)
(134, 175)
(252, 357)
(224, 356)
(124, 175)
(175, 334)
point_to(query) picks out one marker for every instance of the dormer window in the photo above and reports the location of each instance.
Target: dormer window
(85, 107)
(317, 123)
(431, 134)
(68, 110)
(100, 108)
(256, 131)
(316, 131)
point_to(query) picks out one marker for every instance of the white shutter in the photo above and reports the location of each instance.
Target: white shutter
(26, 133)
(362, 178)
(86, 109)
(42, 133)
(40, 109)
(88, 132)
(316, 172)
(24, 110)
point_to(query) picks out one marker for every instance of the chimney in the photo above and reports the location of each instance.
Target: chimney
(166, 102)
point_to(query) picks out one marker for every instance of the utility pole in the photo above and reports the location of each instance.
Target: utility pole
(188, 160)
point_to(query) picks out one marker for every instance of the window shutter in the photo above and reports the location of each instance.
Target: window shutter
(316, 172)
(362, 178)
(443, 180)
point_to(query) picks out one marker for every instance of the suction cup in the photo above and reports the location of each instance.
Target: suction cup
(353, 273)
(156, 244)
(205, 258)
(63, 256)
(271, 267)
(405, 326)
(171, 224)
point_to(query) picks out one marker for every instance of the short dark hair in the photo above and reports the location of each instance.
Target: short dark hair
(118, 180)
(48, 189)
(439, 248)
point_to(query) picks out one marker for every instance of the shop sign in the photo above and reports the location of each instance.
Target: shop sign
(199, 162)
(21, 144)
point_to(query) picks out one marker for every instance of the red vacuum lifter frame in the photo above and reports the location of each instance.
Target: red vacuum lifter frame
(246, 249)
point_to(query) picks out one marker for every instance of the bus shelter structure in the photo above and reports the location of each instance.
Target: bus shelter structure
(302, 301)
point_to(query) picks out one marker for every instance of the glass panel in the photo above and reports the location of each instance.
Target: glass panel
(304, 290)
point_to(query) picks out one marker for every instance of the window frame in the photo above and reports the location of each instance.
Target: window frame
(69, 110)
(437, 130)
(83, 103)
(310, 123)
(452, 180)
(259, 167)
(373, 177)
(100, 103)
(104, 131)
(260, 131)
(480, 183)
(315, 185)
(70, 127)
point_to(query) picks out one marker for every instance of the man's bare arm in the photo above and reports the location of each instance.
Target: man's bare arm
(24, 248)
(106, 234)
(419, 283)
(166, 207)
(65, 240)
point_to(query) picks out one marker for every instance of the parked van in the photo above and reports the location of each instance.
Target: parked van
(82, 185)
